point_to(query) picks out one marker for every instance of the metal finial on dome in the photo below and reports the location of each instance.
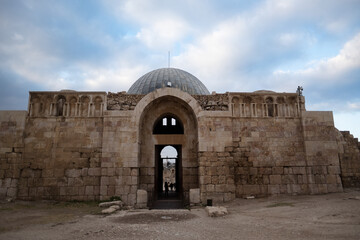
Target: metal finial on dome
(169, 59)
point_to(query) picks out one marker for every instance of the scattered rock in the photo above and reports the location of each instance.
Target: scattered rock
(111, 209)
(128, 207)
(355, 198)
(216, 211)
(109, 204)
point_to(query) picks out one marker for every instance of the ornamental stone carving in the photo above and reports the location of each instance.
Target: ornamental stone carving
(122, 101)
(216, 102)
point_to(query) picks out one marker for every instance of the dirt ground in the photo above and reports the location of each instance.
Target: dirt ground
(331, 216)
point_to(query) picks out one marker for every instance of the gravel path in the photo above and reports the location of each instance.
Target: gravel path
(331, 216)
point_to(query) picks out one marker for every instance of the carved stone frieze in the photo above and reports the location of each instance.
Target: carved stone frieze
(217, 102)
(122, 101)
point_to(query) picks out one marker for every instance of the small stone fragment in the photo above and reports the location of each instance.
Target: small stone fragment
(216, 211)
(111, 209)
(109, 204)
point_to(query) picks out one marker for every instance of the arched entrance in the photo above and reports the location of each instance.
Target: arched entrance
(168, 172)
(168, 121)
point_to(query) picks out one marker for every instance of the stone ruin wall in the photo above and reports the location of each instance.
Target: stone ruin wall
(60, 147)
(276, 147)
(12, 125)
(119, 164)
(349, 159)
(67, 103)
(249, 144)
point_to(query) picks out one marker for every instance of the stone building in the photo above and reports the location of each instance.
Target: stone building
(73, 145)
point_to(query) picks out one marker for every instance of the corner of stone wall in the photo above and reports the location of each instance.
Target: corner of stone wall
(322, 152)
(12, 125)
(349, 154)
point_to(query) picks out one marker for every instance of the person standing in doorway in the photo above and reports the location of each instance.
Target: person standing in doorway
(166, 189)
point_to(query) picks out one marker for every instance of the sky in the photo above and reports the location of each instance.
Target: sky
(230, 45)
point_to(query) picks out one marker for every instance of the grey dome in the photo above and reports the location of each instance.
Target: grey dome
(159, 78)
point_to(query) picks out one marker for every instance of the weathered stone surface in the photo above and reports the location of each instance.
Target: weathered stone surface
(195, 196)
(349, 160)
(111, 209)
(216, 211)
(93, 145)
(141, 198)
(122, 101)
(112, 203)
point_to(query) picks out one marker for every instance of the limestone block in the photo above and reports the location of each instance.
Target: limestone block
(275, 179)
(210, 188)
(89, 190)
(195, 196)
(220, 188)
(298, 170)
(94, 171)
(112, 203)
(273, 189)
(323, 188)
(131, 199)
(253, 171)
(110, 210)
(229, 197)
(251, 189)
(207, 180)
(331, 179)
(334, 188)
(3, 192)
(141, 198)
(216, 211)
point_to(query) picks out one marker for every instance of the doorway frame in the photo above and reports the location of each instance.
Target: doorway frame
(159, 168)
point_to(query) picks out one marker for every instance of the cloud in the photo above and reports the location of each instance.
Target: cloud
(163, 34)
(344, 121)
(331, 70)
(229, 45)
(354, 106)
(331, 75)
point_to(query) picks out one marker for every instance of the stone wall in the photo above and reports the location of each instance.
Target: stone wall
(350, 160)
(61, 159)
(322, 153)
(122, 101)
(12, 124)
(269, 157)
(93, 145)
(119, 157)
(67, 103)
(217, 180)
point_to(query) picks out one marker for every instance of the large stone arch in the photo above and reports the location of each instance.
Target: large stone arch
(150, 108)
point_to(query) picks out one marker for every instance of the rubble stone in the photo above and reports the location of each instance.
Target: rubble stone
(111, 209)
(112, 203)
(216, 211)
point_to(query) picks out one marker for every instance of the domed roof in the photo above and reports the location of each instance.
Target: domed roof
(160, 78)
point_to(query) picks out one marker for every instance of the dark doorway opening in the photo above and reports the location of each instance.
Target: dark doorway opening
(168, 179)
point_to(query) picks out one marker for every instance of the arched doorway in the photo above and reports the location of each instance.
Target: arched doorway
(168, 172)
(168, 121)
(168, 165)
